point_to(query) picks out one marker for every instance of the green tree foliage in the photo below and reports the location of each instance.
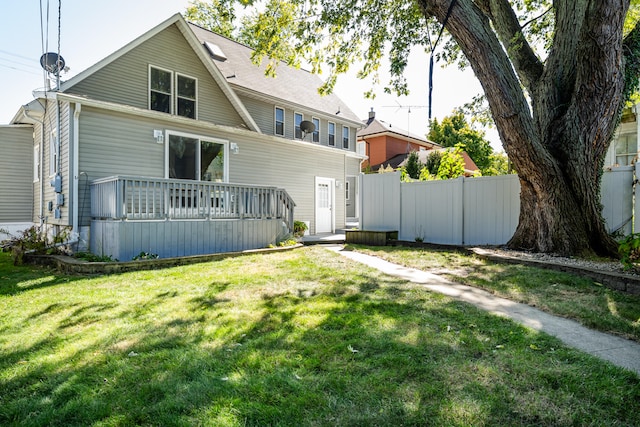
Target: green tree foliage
(413, 165)
(433, 162)
(556, 75)
(499, 165)
(451, 164)
(215, 15)
(454, 130)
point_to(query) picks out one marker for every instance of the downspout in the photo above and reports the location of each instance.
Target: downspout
(75, 227)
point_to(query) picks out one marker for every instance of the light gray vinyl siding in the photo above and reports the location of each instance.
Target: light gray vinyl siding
(263, 114)
(16, 173)
(115, 144)
(294, 168)
(50, 125)
(125, 80)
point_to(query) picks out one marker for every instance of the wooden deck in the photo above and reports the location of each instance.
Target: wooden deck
(172, 218)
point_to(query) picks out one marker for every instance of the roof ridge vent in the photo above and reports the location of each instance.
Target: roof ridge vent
(215, 51)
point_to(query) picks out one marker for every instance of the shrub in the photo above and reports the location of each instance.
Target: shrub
(629, 250)
(35, 240)
(145, 255)
(88, 256)
(299, 228)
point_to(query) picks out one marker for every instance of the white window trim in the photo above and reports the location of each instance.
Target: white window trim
(329, 134)
(348, 147)
(36, 163)
(295, 114)
(628, 156)
(313, 120)
(53, 152)
(200, 138)
(171, 93)
(275, 121)
(175, 85)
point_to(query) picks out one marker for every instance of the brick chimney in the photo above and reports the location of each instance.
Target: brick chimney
(372, 116)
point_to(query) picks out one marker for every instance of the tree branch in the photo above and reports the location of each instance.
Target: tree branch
(527, 64)
(471, 29)
(535, 18)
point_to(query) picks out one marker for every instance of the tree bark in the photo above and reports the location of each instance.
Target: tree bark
(557, 133)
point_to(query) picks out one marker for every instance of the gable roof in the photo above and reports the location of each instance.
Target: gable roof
(198, 49)
(379, 128)
(294, 86)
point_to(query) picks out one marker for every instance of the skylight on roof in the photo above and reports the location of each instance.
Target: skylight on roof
(215, 51)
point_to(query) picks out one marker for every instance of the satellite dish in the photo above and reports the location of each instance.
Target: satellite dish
(307, 127)
(52, 63)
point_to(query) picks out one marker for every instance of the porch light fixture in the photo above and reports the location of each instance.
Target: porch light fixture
(159, 136)
(234, 148)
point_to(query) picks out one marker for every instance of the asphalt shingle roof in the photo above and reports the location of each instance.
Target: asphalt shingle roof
(295, 86)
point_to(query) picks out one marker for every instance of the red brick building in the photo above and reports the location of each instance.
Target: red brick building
(383, 142)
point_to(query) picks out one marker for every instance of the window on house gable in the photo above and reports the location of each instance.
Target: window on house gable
(297, 131)
(345, 137)
(200, 159)
(332, 134)
(53, 152)
(186, 96)
(316, 132)
(279, 121)
(160, 90)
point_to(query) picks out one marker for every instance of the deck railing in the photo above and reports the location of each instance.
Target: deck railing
(139, 198)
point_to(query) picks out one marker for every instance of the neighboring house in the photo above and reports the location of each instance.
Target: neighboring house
(389, 146)
(623, 150)
(177, 144)
(382, 142)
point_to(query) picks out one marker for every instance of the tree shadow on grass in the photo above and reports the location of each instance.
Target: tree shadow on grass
(370, 350)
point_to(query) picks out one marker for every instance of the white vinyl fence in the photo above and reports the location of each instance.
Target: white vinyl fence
(470, 211)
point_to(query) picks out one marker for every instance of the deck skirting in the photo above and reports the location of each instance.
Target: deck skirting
(123, 240)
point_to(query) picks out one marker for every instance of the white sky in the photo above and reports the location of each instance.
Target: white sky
(91, 30)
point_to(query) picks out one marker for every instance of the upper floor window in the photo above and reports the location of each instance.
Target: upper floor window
(160, 90)
(297, 131)
(164, 91)
(316, 132)
(186, 96)
(345, 137)
(332, 134)
(279, 121)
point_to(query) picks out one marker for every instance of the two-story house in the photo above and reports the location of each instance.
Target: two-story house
(177, 144)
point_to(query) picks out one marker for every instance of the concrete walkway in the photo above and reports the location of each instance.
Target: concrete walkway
(619, 351)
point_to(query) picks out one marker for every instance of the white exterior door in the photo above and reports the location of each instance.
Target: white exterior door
(324, 205)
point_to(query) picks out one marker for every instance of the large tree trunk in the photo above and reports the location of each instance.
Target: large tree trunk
(558, 141)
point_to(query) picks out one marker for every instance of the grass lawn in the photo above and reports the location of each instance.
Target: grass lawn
(296, 338)
(563, 294)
